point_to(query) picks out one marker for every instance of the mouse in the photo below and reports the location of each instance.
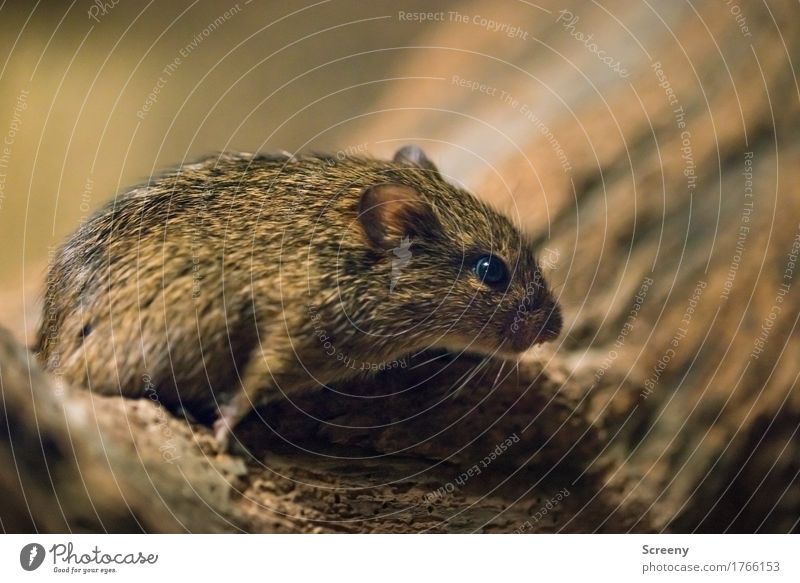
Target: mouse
(225, 284)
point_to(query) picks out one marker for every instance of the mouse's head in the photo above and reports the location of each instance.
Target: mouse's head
(463, 277)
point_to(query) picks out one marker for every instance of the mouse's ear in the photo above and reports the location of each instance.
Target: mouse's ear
(414, 156)
(390, 212)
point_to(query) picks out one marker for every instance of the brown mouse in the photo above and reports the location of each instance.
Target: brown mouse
(228, 283)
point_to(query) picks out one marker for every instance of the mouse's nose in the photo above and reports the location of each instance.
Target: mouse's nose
(531, 327)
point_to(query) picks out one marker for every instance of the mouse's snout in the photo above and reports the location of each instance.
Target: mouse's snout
(529, 327)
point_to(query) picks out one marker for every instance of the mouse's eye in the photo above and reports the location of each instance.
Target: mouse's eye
(491, 270)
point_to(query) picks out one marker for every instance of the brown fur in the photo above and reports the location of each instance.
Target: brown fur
(222, 283)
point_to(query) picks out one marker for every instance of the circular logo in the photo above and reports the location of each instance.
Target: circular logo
(31, 556)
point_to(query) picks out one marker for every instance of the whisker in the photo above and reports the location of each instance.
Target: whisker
(454, 391)
(499, 372)
(442, 355)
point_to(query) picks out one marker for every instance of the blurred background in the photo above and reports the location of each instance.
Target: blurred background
(638, 143)
(99, 96)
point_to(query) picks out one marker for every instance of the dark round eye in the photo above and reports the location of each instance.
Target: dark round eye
(491, 270)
